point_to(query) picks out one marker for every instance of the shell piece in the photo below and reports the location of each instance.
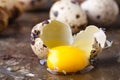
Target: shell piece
(70, 12)
(101, 12)
(48, 34)
(92, 38)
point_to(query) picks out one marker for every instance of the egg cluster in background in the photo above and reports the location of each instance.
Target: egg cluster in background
(77, 13)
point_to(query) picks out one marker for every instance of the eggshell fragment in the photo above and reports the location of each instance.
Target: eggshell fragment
(69, 12)
(92, 40)
(101, 12)
(48, 34)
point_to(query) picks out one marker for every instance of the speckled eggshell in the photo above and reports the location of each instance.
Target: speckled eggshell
(101, 12)
(38, 47)
(69, 12)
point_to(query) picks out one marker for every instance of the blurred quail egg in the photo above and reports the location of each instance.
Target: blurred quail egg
(3, 19)
(69, 12)
(9, 10)
(35, 4)
(101, 12)
(53, 40)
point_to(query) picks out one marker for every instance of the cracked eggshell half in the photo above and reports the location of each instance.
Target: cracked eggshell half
(69, 12)
(49, 34)
(101, 12)
(92, 39)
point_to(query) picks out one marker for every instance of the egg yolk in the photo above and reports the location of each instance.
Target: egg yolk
(67, 59)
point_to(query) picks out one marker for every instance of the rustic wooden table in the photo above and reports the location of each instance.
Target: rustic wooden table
(18, 62)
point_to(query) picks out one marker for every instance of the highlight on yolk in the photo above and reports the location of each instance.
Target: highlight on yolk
(66, 59)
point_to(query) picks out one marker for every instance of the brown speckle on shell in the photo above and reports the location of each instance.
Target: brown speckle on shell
(32, 41)
(34, 35)
(45, 22)
(62, 8)
(44, 46)
(73, 26)
(73, 1)
(82, 27)
(55, 13)
(36, 32)
(77, 16)
(98, 17)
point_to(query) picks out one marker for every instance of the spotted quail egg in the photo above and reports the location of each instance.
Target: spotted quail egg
(70, 12)
(101, 12)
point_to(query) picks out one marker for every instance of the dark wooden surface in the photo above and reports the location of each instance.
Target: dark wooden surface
(18, 62)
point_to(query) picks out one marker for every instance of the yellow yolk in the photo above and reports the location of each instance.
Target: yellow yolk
(66, 59)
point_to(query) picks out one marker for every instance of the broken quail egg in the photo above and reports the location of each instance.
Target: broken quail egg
(53, 40)
(69, 12)
(101, 12)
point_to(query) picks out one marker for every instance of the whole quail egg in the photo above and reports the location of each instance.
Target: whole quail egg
(69, 12)
(101, 12)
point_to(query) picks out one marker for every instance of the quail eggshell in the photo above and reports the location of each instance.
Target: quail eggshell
(37, 44)
(69, 12)
(49, 34)
(91, 39)
(101, 12)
